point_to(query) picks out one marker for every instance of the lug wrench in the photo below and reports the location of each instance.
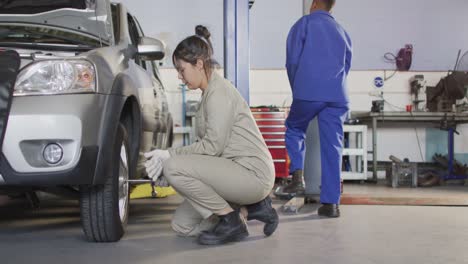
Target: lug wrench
(153, 185)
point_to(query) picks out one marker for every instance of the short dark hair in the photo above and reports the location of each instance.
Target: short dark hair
(328, 4)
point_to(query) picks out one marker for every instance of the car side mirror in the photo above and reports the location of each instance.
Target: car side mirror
(151, 49)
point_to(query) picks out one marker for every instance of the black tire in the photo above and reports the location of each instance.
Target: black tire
(101, 216)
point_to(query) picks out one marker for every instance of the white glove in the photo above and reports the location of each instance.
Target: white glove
(161, 153)
(154, 168)
(154, 165)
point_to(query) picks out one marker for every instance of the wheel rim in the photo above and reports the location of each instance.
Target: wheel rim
(123, 183)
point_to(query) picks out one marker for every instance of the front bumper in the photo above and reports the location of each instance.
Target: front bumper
(82, 173)
(72, 121)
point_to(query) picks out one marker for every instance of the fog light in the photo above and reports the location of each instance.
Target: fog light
(53, 153)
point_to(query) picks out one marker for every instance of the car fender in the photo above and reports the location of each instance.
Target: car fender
(123, 94)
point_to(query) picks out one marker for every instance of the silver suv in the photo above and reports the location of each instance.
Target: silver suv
(88, 100)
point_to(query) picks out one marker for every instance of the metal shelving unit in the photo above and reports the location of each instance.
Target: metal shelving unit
(356, 151)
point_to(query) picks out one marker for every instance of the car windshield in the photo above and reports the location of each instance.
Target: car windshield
(43, 35)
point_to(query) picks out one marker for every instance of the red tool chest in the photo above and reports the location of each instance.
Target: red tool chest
(270, 121)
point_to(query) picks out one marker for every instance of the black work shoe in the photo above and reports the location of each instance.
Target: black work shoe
(264, 212)
(230, 228)
(329, 210)
(297, 184)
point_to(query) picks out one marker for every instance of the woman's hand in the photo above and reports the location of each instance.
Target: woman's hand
(161, 153)
(154, 165)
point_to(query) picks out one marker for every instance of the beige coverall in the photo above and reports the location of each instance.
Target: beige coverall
(229, 162)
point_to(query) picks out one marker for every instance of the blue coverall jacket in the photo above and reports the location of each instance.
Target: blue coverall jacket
(318, 59)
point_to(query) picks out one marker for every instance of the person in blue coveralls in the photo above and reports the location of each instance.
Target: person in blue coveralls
(318, 60)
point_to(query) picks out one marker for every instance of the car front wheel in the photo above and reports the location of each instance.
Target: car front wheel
(104, 208)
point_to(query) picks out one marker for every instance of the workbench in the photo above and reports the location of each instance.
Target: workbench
(446, 121)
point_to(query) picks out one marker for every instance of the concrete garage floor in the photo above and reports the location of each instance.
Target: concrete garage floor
(364, 234)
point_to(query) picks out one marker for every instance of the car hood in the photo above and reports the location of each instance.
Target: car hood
(91, 17)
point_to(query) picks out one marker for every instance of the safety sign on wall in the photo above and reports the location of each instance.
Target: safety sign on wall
(379, 82)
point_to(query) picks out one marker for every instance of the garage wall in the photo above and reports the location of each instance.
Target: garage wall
(172, 21)
(435, 28)
(270, 21)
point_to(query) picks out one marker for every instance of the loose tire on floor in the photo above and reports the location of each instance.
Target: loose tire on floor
(104, 208)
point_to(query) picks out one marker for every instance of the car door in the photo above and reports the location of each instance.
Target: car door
(156, 97)
(140, 75)
(163, 136)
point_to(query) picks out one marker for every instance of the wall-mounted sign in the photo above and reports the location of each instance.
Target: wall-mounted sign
(379, 82)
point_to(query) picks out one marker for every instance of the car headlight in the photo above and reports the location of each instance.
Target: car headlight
(56, 77)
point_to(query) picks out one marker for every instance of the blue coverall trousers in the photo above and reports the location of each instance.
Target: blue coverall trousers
(331, 117)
